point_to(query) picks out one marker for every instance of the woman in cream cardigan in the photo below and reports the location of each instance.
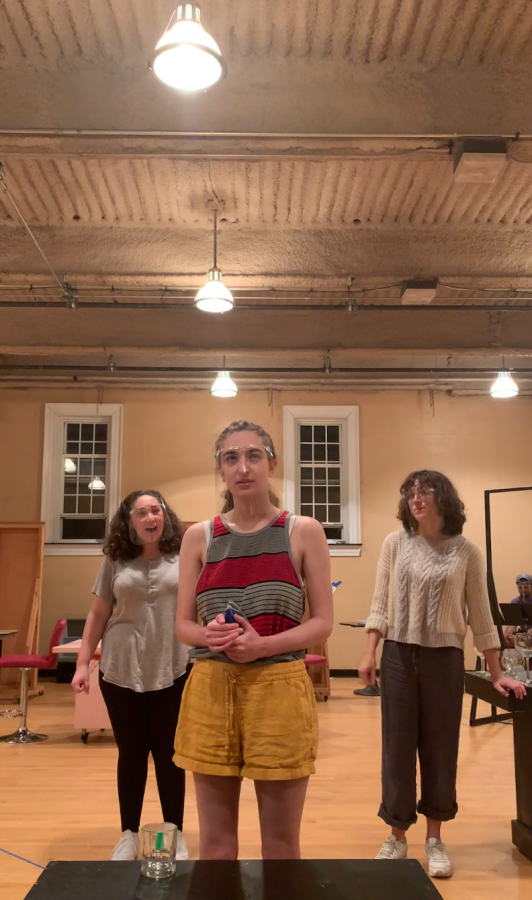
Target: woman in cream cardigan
(431, 582)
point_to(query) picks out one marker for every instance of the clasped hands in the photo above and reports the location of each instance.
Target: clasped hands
(240, 642)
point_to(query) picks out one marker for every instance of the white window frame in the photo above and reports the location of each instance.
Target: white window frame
(347, 417)
(55, 416)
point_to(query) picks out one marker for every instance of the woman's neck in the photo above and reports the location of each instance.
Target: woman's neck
(151, 551)
(250, 516)
(431, 531)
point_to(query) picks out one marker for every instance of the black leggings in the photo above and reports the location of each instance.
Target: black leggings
(144, 722)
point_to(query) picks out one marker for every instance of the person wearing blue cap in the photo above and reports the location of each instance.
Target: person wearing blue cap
(524, 586)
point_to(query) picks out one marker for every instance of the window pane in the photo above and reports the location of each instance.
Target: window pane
(333, 533)
(306, 495)
(334, 476)
(86, 448)
(69, 504)
(100, 448)
(83, 529)
(306, 452)
(320, 495)
(333, 434)
(72, 448)
(321, 513)
(98, 503)
(72, 431)
(333, 452)
(319, 434)
(85, 466)
(305, 433)
(84, 486)
(100, 432)
(334, 514)
(84, 504)
(306, 475)
(99, 466)
(70, 485)
(87, 432)
(320, 476)
(306, 511)
(319, 452)
(334, 495)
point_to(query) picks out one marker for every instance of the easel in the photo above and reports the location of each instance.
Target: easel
(319, 674)
(21, 565)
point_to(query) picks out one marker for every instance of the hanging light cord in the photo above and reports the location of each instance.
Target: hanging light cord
(27, 227)
(215, 239)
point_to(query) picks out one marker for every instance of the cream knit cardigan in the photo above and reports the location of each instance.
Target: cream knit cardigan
(427, 593)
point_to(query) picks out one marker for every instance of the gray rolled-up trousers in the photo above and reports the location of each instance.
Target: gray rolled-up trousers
(422, 690)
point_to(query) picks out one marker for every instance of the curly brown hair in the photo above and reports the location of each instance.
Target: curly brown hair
(119, 545)
(234, 428)
(449, 505)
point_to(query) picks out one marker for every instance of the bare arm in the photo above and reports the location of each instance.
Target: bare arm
(95, 625)
(316, 571)
(216, 635)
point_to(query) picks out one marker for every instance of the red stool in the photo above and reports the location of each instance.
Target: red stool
(26, 662)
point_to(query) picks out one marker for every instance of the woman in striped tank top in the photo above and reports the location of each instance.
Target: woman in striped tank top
(248, 709)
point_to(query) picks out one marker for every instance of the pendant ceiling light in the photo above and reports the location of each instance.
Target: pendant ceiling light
(186, 57)
(504, 386)
(97, 485)
(214, 297)
(224, 385)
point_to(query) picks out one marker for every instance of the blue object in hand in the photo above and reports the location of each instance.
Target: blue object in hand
(230, 616)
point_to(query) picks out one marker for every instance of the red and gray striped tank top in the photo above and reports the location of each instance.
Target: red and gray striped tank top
(254, 574)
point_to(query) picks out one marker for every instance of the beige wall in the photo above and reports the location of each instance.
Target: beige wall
(168, 441)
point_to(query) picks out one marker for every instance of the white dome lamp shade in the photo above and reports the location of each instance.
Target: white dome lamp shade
(504, 387)
(97, 484)
(224, 385)
(70, 466)
(186, 57)
(214, 297)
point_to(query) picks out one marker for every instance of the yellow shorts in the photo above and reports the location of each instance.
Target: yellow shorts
(255, 722)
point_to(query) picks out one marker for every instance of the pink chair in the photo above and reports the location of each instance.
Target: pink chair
(26, 662)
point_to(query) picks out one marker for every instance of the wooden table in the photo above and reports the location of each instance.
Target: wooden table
(479, 685)
(6, 633)
(90, 711)
(299, 879)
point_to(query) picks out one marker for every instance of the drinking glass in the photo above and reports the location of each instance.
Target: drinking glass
(159, 844)
(523, 640)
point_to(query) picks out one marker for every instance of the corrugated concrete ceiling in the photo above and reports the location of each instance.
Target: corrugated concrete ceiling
(355, 65)
(322, 214)
(294, 194)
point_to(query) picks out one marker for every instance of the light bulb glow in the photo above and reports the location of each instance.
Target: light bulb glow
(214, 297)
(70, 466)
(224, 386)
(186, 57)
(504, 387)
(97, 485)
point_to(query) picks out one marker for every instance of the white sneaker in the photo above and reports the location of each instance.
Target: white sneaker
(181, 852)
(393, 849)
(438, 859)
(127, 847)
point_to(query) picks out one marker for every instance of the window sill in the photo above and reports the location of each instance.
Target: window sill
(345, 550)
(73, 549)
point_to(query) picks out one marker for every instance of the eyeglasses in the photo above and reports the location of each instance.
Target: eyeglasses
(252, 455)
(142, 512)
(417, 492)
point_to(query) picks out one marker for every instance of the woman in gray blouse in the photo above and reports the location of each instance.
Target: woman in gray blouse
(143, 665)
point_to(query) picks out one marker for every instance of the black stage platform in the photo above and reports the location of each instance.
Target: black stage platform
(305, 879)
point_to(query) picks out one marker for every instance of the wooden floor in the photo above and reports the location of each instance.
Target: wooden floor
(58, 799)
